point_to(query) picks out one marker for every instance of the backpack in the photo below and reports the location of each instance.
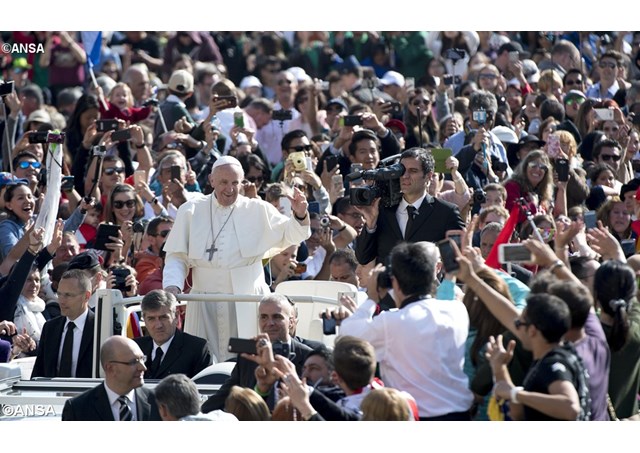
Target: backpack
(579, 371)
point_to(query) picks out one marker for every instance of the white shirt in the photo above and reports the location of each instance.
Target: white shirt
(270, 136)
(402, 216)
(115, 404)
(421, 351)
(80, 321)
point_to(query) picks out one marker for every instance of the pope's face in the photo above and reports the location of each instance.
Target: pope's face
(226, 181)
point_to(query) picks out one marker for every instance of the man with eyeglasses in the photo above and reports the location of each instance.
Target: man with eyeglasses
(66, 343)
(573, 80)
(149, 260)
(608, 85)
(122, 396)
(608, 151)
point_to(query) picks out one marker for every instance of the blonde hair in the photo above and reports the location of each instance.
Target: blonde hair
(385, 404)
(127, 92)
(566, 138)
(246, 405)
(548, 78)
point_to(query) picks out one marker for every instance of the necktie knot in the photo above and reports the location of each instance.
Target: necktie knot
(411, 211)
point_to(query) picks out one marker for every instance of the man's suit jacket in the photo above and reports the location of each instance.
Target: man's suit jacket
(46, 364)
(435, 218)
(243, 376)
(187, 354)
(93, 406)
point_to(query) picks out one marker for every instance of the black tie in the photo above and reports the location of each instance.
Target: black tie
(411, 213)
(155, 365)
(67, 352)
(125, 410)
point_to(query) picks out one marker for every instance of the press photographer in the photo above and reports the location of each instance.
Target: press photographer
(417, 216)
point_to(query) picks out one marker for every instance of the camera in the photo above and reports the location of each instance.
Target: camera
(281, 115)
(120, 275)
(99, 150)
(384, 278)
(386, 186)
(455, 54)
(479, 196)
(480, 117)
(325, 221)
(497, 165)
(38, 137)
(151, 102)
(280, 348)
(140, 226)
(299, 160)
(370, 84)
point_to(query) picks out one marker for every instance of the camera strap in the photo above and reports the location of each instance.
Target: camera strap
(414, 298)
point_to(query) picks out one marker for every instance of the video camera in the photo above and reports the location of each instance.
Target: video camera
(386, 185)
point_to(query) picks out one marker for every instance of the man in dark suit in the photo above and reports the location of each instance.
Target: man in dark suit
(66, 344)
(418, 217)
(121, 396)
(168, 349)
(275, 316)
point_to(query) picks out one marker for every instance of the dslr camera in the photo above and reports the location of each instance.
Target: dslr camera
(479, 196)
(386, 186)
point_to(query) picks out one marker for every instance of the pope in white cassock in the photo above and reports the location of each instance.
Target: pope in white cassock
(223, 237)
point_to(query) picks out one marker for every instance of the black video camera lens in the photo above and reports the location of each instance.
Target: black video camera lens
(479, 196)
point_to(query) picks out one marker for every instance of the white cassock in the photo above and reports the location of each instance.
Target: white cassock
(244, 233)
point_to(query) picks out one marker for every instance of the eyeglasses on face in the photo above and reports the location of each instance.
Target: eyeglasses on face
(519, 323)
(488, 76)
(132, 362)
(26, 164)
(539, 165)
(577, 101)
(254, 179)
(606, 64)
(301, 148)
(164, 233)
(608, 157)
(112, 170)
(573, 82)
(118, 204)
(417, 102)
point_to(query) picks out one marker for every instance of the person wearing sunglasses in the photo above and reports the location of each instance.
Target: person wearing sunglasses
(419, 99)
(147, 261)
(532, 180)
(609, 152)
(608, 85)
(27, 166)
(573, 80)
(124, 207)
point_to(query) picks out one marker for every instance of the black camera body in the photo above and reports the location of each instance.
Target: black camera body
(281, 348)
(498, 166)
(282, 115)
(140, 226)
(455, 54)
(325, 221)
(386, 186)
(479, 196)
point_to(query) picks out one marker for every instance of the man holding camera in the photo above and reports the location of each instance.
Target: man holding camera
(418, 216)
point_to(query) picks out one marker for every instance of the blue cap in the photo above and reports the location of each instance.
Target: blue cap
(8, 178)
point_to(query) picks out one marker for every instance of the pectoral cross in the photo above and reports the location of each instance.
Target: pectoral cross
(211, 250)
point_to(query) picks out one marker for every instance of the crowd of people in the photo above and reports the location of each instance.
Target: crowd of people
(407, 164)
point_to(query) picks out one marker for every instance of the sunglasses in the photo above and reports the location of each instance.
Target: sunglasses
(578, 101)
(253, 179)
(420, 102)
(519, 323)
(604, 64)
(573, 82)
(24, 165)
(608, 157)
(121, 204)
(110, 171)
(542, 167)
(283, 81)
(488, 76)
(301, 148)
(164, 233)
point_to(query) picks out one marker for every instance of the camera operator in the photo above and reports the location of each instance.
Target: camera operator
(483, 106)
(429, 220)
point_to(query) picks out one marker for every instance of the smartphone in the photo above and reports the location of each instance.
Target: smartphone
(121, 275)
(455, 236)
(314, 206)
(553, 146)
(562, 168)
(352, 294)
(448, 80)
(106, 125)
(332, 162)
(590, 220)
(231, 101)
(328, 324)
(514, 56)
(455, 54)
(120, 49)
(176, 172)
(121, 136)
(38, 137)
(6, 88)
(102, 236)
(285, 206)
(480, 117)
(239, 345)
(282, 115)
(604, 114)
(338, 182)
(448, 256)
(440, 156)
(513, 253)
(396, 108)
(67, 183)
(628, 247)
(351, 120)
(238, 119)
(139, 176)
